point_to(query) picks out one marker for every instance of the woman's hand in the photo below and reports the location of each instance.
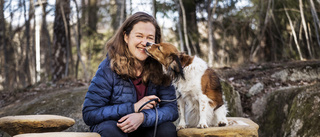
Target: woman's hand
(144, 100)
(131, 122)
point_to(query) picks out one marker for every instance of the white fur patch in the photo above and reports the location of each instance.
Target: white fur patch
(194, 106)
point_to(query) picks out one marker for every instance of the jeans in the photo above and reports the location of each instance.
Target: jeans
(110, 129)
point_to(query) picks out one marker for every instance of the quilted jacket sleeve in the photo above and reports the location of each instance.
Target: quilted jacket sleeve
(167, 111)
(97, 107)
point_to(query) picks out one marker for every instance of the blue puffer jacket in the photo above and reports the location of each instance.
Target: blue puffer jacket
(110, 97)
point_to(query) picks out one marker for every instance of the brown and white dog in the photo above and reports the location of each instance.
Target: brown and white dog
(201, 104)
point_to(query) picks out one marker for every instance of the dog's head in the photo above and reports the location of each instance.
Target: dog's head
(169, 56)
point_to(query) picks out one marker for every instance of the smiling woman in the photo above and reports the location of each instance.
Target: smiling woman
(141, 33)
(126, 80)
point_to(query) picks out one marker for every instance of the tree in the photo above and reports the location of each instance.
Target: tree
(61, 40)
(78, 39)
(92, 15)
(316, 21)
(154, 8)
(3, 43)
(177, 3)
(118, 13)
(193, 33)
(185, 30)
(45, 41)
(304, 24)
(211, 40)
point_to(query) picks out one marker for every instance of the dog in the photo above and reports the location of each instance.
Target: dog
(201, 104)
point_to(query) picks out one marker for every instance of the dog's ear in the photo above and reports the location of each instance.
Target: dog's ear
(175, 67)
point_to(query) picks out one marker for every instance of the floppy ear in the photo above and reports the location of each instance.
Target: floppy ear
(175, 67)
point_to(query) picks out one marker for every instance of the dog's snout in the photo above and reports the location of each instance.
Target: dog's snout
(149, 44)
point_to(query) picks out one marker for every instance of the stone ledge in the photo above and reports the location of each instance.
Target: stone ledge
(60, 134)
(238, 127)
(21, 124)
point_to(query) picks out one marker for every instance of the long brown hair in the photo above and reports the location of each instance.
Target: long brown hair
(124, 63)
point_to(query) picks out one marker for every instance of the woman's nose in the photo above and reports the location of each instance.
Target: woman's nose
(144, 42)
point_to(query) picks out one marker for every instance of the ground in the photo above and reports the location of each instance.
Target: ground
(16, 96)
(241, 77)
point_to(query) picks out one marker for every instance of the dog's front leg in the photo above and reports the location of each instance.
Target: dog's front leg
(203, 110)
(182, 122)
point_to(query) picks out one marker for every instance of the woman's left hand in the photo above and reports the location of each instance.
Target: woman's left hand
(131, 122)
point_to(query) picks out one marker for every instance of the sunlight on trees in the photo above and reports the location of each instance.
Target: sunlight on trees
(71, 34)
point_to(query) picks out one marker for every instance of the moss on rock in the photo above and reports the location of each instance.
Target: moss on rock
(292, 112)
(232, 99)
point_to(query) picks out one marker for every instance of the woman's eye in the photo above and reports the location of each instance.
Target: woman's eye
(150, 38)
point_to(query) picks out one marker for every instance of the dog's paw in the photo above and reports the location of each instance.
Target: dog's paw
(202, 125)
(181, 127)
(222, 124)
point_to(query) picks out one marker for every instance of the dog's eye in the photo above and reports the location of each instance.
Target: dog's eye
(159, 48)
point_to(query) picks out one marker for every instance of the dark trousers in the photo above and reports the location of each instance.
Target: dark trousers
(110, 129)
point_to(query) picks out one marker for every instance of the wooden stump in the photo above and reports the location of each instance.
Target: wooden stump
(239, 127)
(21, 124)
(60, 134)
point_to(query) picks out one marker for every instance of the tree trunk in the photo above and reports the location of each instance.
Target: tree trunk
(84, 14)
(130, 7)
(179, 26)
(185, 27)
(3, 46)
(315, 20)
(92, 17)
(261, 36)
(123, 12)
(27, 34)
(45, 43)
(60, 39)
(119, 16)
(78, 39)
(67, 31)
(212, 46)
(294, 34)
(193, 33)
(304, 24)
(154, 10)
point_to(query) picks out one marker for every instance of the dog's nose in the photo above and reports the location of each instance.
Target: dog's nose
(149, 44)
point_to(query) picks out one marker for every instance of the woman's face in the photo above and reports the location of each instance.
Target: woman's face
(141, 33)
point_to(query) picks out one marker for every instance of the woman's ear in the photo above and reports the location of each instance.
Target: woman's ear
(125, 37)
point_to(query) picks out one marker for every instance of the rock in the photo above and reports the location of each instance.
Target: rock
(66, 102)
(305, 73)
(14, 125)
(240, 127)
(291, 112)
(60, 134)
(232, 99)
(255, 89)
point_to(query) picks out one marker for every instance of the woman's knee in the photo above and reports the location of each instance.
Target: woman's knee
(167, 129)
(108, 129)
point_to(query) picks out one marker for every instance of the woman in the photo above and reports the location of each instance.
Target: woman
(127, 79)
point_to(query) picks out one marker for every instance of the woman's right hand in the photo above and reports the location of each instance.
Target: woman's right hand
(144, 100)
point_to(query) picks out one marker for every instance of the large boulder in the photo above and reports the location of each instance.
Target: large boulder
(21, 124)
(290, 112)
(232, 99)
(60, 134)
(239, 127)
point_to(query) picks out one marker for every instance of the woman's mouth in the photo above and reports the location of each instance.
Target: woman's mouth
(142, 49)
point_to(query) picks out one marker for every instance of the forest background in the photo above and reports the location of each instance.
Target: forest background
(50, 41)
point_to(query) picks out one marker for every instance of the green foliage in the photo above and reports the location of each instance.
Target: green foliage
(94, 51)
